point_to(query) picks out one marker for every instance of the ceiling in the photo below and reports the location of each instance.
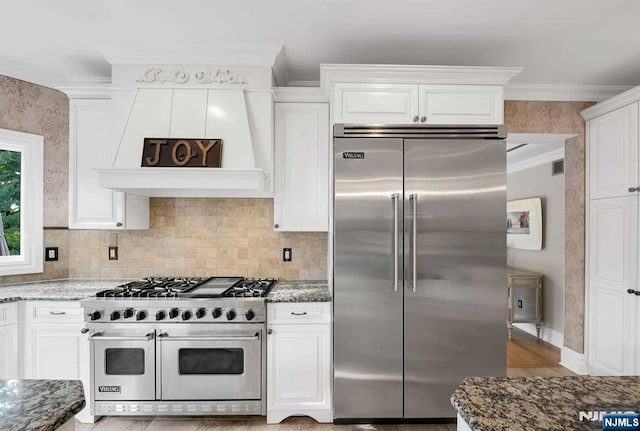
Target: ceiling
(593, 42)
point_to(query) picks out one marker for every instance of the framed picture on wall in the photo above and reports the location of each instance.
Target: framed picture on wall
(524, 224)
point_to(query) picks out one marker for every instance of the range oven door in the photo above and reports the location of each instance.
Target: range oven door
(211, 364)
(124, 363)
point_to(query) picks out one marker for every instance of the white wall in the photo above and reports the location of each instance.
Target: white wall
(534, 182)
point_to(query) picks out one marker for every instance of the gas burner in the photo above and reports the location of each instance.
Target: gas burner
(250, 288)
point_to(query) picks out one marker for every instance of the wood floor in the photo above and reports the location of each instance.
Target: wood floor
(525, 357)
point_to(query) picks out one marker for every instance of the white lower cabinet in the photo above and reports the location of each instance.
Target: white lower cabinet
(298, 362)
(54, 347)
(8, 341)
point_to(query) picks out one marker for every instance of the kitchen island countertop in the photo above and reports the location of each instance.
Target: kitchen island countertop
(300, 291)
(55, 290)
(39, 405)
(541, 403)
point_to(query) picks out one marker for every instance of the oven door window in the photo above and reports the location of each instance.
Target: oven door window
(124, 362)
(211, 361)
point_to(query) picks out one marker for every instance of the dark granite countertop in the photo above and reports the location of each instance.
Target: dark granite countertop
(300, 291)
(542, 403)
(55, 290)
(42, 405)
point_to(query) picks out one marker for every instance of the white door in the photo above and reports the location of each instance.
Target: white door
(613, 263)
(9, 352)
(55, 351)
(90, 147)
(461, 104)
(298, 369)
(613, 153)
(302, 167)
(375, 103)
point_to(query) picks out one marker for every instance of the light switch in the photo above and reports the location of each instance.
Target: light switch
(51, 254)
(286, 255)
(113, 253)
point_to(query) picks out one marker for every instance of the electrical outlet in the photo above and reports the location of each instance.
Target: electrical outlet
(51, 254)
(519, 303)
(113, 253)
(286, 255)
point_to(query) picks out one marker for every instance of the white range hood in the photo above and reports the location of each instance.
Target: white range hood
(163, 108)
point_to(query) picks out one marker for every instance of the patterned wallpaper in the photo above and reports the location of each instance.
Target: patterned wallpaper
(563, 117)
(31, 108)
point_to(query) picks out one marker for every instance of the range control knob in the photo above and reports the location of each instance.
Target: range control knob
(250, 314)
(141, 315)
(217, 312)
(231, 314)
(160, 315)
(115, 315)
(201, 312)
(186, 315)
(128, 313)
(173, 313)
(95, 315)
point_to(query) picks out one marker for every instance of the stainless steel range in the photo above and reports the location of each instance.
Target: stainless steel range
(178, 346)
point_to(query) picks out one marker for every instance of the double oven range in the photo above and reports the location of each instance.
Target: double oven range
(178, 346)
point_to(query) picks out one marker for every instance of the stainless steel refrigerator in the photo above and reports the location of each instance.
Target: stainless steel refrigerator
(419, 266)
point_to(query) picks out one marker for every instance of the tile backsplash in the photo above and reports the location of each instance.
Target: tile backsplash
(198, 237)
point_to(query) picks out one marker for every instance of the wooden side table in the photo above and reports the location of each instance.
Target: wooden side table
(525, 298)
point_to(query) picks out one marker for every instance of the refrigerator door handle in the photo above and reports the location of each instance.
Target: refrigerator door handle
(413, 200)
(395, 198)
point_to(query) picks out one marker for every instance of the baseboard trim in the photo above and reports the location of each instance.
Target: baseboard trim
(573, 361)
(549, 335)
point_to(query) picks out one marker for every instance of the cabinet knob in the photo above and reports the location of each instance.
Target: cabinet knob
(276, 225)
(119, 224)
(633, 292)
(415, 119)
(423, 119)
(269, 331)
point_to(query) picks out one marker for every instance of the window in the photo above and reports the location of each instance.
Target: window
(21, 184)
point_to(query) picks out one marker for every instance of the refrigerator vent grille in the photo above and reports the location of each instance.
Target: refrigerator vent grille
(419, 131)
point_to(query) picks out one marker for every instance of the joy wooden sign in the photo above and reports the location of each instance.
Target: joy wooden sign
(192, 153)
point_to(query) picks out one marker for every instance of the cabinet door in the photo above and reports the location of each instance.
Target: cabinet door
(375, 103)
(55, 351)
(9, 352)
(613, 263)
(461, 104)
(298, 370)
(613, 153)
(91, 146)
(302, 167)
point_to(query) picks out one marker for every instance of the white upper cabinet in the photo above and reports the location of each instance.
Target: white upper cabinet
(461, 104)
(375, 103)
(301, 200)
(91, 147)
(613, 153)
(418, 104)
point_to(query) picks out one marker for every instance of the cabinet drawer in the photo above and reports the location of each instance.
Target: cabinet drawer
(298, 312)
(53, 311)
(8, 313)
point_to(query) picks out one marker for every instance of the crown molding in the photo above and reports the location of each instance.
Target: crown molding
(375, 73)
(562, 92)
(31, 74)
(630, 96)
(224, 54)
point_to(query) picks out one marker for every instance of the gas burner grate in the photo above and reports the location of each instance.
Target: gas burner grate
(250, 288)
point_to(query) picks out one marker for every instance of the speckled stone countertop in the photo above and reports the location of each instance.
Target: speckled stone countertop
(42, 405)
(542, 403)
(55, 290)
(300, 291)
